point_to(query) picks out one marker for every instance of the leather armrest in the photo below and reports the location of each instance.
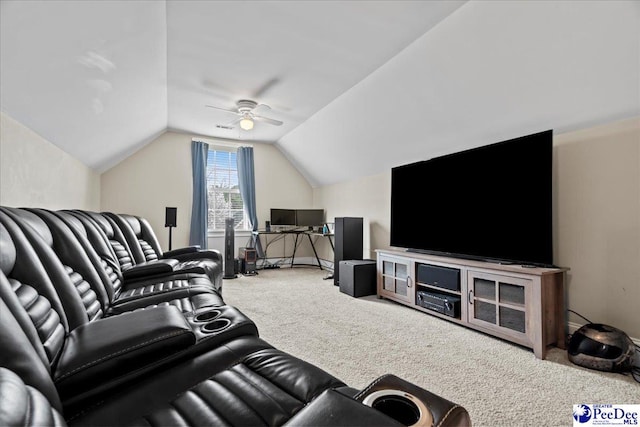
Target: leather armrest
(180, 251)
(444, 412)
(211, 254)
(149, 268)
(332, 408)
(101, 354)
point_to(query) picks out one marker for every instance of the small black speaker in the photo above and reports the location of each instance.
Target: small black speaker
(441, 277)
(267, 226)
(170, 217)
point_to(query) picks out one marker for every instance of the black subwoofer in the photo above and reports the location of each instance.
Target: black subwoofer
(358, 277)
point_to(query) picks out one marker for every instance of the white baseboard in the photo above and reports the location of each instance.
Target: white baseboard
(307, 261)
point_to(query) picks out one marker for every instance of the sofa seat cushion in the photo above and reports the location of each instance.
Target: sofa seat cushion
(266, 388)
(242, 382)
(187, 300)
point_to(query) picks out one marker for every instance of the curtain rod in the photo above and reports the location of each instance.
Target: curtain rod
(220, 143)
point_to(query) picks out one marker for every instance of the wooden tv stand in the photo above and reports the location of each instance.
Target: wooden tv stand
(524, 305)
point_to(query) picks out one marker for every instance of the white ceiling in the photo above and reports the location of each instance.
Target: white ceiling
(89, 76)
(491, 71)
(360, 85)
(102, 78)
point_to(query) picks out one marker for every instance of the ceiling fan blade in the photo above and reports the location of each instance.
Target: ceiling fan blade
(260, 107)
(223, 109)
(236, 121)
(259, 92)
(268, 120)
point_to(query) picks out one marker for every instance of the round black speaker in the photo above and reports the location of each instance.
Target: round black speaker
(601, 347)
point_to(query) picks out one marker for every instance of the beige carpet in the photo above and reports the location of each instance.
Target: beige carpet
(359, 339)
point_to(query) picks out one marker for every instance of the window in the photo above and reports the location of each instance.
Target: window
(223, 190)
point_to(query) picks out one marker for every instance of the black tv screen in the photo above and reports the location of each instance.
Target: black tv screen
(309, 217)
(491, 203)
(283, 217)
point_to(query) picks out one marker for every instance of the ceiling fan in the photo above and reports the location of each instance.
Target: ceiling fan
(246, 112)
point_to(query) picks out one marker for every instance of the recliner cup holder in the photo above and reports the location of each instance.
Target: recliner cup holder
(207, 316)
(216, 325)
(401, 406)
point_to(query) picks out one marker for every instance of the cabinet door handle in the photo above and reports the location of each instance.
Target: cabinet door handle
(408, 281)
(470, 296)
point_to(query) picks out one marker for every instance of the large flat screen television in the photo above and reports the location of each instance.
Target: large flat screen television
(490, 203)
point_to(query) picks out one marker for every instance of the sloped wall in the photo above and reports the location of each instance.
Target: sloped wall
(36, 173)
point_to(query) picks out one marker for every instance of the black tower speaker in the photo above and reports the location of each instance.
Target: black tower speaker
(229, 243)
(170, 217)
(348, 243)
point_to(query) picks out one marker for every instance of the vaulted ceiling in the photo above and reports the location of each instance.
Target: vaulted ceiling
(360, 85)
(101, 78)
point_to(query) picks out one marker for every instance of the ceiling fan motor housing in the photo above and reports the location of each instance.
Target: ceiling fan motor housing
(245, 105)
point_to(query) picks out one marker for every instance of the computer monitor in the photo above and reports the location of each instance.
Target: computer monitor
(283, 217)
(309, 217)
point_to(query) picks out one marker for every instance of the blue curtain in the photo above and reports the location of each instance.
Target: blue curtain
(247, 184)
(200, 207)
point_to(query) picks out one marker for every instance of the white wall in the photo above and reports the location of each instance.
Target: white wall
(597, 222)
(368, 197)
(36, 173)
(159, 175)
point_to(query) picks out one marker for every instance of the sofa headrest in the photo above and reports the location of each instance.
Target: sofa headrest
(73, 221)
(103, 223)
(134, 223)
(35, 222)
(8, 253)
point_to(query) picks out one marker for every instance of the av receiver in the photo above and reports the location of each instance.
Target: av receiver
(448, 305)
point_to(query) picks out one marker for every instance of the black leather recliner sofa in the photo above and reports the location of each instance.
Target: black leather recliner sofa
(145, 248)
(128, 251)
(81, 347)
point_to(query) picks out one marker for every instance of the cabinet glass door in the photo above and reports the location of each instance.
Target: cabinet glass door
(395, 278)
(484, 306)
(498, 302)
(511, 311)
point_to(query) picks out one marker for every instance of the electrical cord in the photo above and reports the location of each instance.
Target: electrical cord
(580, 315)
(635, 371)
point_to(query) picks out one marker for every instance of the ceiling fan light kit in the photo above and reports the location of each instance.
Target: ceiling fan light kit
(246, 123)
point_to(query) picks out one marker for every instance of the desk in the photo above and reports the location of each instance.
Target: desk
(299, 234)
